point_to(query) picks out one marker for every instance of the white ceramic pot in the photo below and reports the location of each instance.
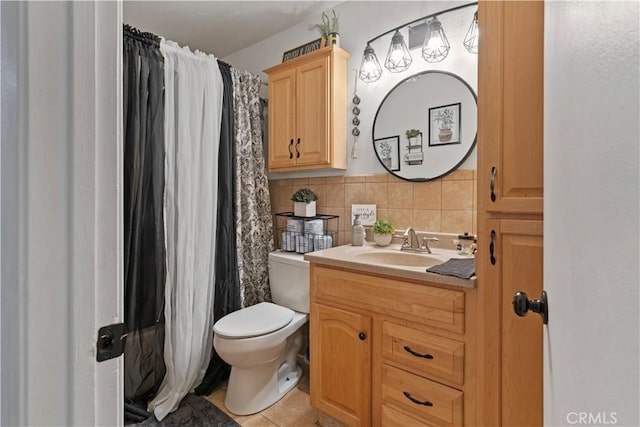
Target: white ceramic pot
(304, 209)
(382, 239)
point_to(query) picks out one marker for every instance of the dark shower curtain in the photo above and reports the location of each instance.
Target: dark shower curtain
(144, 247)
(227, 296)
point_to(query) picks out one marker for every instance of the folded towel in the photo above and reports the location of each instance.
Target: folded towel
(464, 268)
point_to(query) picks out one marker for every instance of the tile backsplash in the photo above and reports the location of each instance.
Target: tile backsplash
(445, 205)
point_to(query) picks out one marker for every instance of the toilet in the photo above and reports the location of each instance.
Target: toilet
(261, 342)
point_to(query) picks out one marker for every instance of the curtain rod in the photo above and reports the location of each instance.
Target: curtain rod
(423, 18)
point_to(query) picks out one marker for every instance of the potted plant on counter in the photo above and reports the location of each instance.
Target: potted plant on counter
(383, 232)
(304, 202)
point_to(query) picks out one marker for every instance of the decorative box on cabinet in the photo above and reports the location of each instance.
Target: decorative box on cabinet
(307, 107)
(389, 352)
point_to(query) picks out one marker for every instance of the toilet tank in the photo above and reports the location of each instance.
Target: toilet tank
(289, 280)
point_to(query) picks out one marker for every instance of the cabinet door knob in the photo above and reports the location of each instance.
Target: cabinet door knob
(362, 336)
(290, 152)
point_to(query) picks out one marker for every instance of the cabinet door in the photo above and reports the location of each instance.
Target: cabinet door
(341, 364)
(282, 133)
(313, 113)
(510, 106)
(511, 373)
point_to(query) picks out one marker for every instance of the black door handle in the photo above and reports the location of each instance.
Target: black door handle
(522, 304)
(297, 151)
(290, 152)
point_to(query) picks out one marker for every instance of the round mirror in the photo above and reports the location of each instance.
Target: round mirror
(426, 126)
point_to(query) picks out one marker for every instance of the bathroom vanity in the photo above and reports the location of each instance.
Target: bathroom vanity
(391, 344)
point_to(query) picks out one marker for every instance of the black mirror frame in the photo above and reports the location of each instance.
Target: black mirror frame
(468, 153)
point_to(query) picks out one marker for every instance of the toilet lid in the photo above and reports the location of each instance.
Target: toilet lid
(259, 319)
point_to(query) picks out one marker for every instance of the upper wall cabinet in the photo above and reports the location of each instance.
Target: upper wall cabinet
(307, 107)
(510, 107)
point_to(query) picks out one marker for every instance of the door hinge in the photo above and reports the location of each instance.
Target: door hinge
(110, 342)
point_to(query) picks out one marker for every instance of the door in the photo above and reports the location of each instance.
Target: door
(313, 112)
(510, 221)
(61, 174)
(341, 364)
(592, 214)
(282, 122)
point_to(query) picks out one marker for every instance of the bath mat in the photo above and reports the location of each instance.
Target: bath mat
(464, 268)
(193, 411)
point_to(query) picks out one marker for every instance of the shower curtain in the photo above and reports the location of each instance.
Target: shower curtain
(193, 108)
(144, 254)
(227, 280)
(254, 225)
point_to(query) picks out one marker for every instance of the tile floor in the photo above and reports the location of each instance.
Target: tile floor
(293, 410)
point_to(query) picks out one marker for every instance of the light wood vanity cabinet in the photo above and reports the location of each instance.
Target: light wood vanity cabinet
(307, 107)
(388, 352)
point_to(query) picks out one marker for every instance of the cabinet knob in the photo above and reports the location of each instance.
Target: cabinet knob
(362, 336)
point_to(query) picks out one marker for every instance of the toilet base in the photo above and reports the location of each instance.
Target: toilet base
(257, 395)
(252, 390)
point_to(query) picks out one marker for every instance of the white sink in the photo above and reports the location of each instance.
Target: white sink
(398, 258)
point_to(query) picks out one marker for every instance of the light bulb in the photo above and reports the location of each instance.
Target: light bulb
(398, 58)
(370, 69)
(471, 38)
(436, 46)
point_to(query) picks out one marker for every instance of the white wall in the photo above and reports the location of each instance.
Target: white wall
(361, 21)
(592, 191)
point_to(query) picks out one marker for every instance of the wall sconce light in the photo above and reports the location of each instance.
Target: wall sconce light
(471, 38)
(370, 69)
(435, 46)
(398, 58)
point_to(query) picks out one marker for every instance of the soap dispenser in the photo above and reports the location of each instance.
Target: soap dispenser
(357, 232)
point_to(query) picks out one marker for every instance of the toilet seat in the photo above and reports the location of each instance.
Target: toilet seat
(260, 319)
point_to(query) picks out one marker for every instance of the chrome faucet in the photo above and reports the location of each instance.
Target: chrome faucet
(411, 242)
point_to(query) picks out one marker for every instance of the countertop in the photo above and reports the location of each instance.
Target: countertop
(350, 257)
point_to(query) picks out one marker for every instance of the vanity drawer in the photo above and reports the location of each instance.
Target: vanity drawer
(433, 404)
(428, 305)
(429, 354)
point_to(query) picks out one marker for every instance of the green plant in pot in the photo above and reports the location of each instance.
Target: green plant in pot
(329, 28)
(413, 133)
(383, 232)
(304, 202)
(412, 136)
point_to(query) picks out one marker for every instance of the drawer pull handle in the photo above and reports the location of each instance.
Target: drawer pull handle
(416, 354)
(416, 401)
(290, 152)
(297, 152)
